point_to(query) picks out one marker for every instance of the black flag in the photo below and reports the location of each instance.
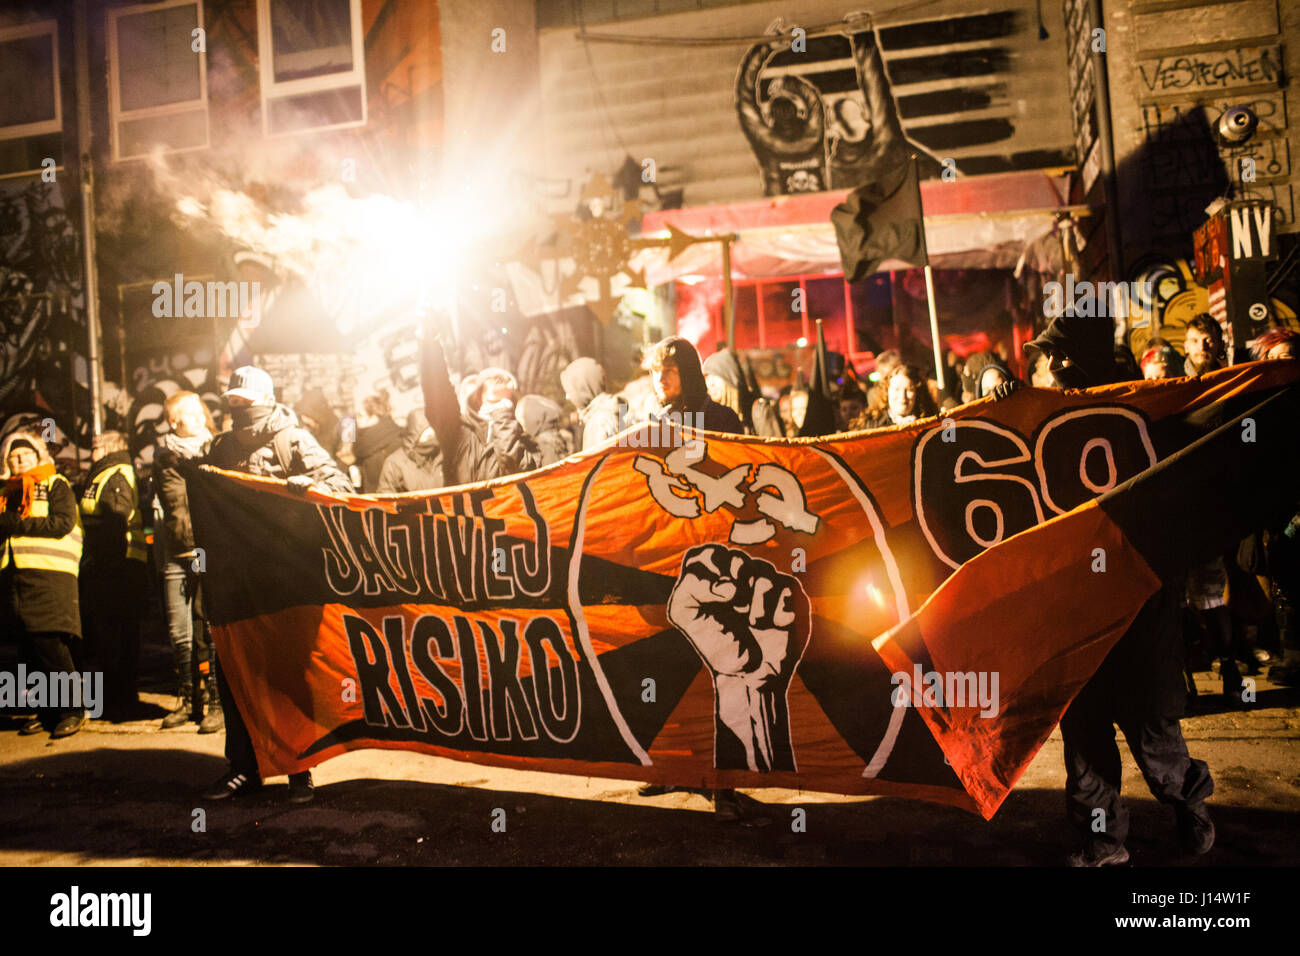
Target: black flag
(820, 417)
(871, 227)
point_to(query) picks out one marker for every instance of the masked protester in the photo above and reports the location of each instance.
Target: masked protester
(188, 440)
(317, 416)
(40, 557)
(601, 414)
(114, 571)
(477, 432)
(266, 440)
(543, 420)
(417, 465)
(1139, 685)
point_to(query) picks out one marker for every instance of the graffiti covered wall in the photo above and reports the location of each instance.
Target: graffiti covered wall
(1173, 72)
(974, 85)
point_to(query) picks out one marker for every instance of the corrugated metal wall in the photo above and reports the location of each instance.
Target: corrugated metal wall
(972, 79)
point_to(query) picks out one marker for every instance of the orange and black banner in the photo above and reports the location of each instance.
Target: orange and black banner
(906, 611)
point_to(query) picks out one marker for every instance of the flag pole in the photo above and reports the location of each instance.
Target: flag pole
(929, 283)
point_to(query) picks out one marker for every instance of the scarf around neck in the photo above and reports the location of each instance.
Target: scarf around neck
(27, 482)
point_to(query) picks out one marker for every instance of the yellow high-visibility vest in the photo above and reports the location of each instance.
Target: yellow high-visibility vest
(45, 554)
(136, 546)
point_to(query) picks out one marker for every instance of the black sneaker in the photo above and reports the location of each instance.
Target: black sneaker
(33, 726)
(1195, 828)
(1096, 853)
(232, 785)
(68, 726)
(301, 789)
(655, 789)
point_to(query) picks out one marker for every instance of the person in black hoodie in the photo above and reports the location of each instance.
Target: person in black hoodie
(601, 414)
(266, 440)
(318, 417)
(679, 385)
(377, 437)
(542, 419)
(480, 439)
(726, 384)
(1138, 686)
(417, 465)
(114, 571)
(993, 375)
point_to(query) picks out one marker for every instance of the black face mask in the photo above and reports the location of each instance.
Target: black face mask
(250, 415)
(1071, 376)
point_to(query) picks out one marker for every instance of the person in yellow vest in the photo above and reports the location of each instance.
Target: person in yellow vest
(40, 554)
(114, 572)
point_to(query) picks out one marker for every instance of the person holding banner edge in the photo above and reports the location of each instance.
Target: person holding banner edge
(265, 440)
(1138, 687)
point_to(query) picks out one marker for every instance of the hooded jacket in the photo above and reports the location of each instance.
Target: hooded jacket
(542, 419)
(694, 397)
(315, 405)
(993, 362)
(31, 599)
(767, 419)
(178, 531)
(1088, 343)
(736, 395)
(602, 415)
(373, 446)
(255, 450)
(475, 447)
(416, 466)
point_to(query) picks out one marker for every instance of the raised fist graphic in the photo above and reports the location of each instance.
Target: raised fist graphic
(750, 624)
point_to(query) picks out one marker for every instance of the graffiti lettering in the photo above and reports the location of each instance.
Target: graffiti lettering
(1207, 71)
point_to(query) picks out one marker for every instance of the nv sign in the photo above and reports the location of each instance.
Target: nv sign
(1250, 229)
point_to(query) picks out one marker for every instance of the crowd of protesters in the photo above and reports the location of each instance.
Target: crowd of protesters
(74, 564)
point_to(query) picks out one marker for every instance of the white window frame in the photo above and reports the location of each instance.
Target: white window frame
(272, 90)
(41, 127)
(117, 115)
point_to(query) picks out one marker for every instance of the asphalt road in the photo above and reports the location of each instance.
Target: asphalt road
(126, 794)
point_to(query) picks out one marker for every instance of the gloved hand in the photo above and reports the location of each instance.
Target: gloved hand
(1005, 389)
(299, 484)
(1292, 528)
